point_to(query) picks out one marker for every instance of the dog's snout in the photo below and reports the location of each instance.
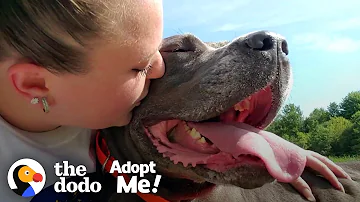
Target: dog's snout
(260, 41)
(284, 47)
(264, 41)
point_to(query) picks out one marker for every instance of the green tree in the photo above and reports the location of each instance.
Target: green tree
(350, 139)
(316, 117)
(356, 117)
(320, 140)
(302, 140)
(337, 127)
(350, 105)
(288, 123)
(356, 132)
(333, 109)
(326, 137)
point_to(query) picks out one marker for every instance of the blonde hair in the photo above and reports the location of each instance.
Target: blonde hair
(56, 34)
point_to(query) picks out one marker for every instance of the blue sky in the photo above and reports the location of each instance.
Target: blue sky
(323, 38)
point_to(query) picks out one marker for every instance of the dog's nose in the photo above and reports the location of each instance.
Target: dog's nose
(264, 41)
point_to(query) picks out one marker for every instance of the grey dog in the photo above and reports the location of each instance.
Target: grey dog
(203, 125)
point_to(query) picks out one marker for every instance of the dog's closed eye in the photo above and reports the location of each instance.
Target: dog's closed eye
(181, 50)
(176, 48)
(184, 43)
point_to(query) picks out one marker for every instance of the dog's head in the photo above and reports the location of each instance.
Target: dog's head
(202, 122)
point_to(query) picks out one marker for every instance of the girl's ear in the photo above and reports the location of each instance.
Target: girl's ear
(28, 80)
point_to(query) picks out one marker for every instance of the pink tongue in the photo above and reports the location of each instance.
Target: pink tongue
(284, 160)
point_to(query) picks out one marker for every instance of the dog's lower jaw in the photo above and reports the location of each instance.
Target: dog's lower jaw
(175, 184)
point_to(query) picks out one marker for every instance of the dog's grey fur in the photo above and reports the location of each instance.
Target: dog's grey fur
(200, 83)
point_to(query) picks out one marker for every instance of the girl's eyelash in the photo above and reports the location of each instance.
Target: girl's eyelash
(146, 70)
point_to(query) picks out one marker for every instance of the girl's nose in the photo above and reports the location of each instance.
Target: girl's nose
(158, 68)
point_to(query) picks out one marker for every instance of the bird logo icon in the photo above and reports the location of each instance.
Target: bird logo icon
(26, 177)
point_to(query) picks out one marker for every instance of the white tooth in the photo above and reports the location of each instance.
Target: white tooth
(243, 105)
(186, 127)
(247, 104)
(201, 140)
(194, 134)
(238, 107)
(198, 135)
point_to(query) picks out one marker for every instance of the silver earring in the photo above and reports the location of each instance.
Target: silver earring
(34, 101)
(45, 105)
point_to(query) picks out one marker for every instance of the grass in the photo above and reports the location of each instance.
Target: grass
(338, 159)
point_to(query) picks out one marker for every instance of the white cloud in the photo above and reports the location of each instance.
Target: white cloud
(350, 23)
(266, 21)
(327, 43)
(229, 27)
(344, 45)
(191, 13)
(231, 15)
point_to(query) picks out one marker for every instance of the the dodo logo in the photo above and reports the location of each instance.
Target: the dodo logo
(26, 177)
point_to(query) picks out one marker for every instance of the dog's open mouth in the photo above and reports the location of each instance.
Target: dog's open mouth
(230, 140)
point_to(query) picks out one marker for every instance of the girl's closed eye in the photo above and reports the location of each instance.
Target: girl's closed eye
(144, 71)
